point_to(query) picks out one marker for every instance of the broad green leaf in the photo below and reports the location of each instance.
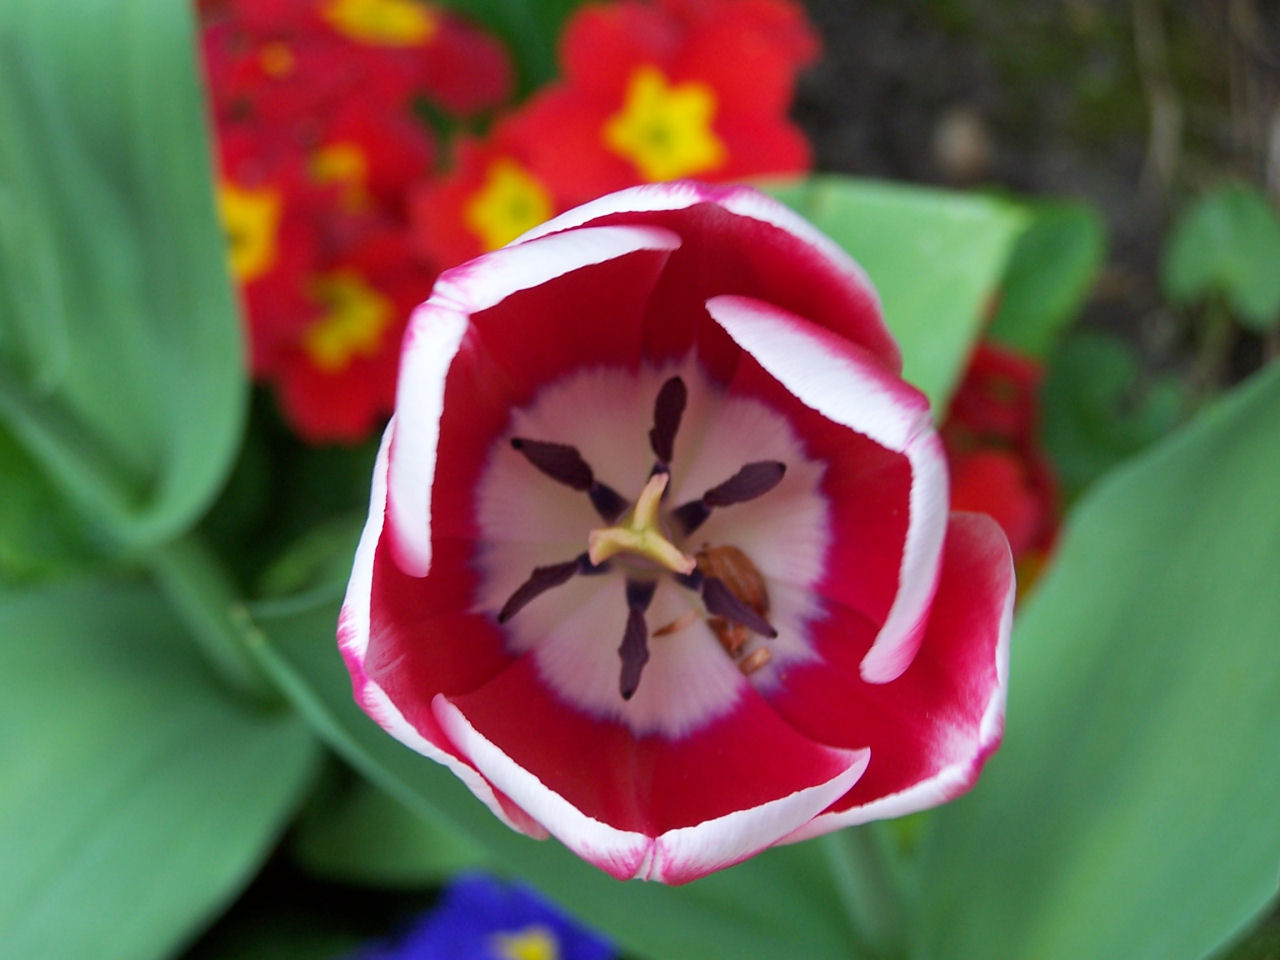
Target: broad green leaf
(1049, 276)
(1227, 242)
(40, 534)
(1131, 812)
(778, 905)
(121, 366)
(1100, 408)
(135, 799)
(935, 257)
(360, 834)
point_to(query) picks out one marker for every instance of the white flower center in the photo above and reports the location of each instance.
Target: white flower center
(581, 463)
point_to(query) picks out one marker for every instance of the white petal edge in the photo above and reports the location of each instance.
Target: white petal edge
(827, 374)
(682, 194)
(675, 856)
(353, 639)
(741, 200)
(434, 336)
(951, 780)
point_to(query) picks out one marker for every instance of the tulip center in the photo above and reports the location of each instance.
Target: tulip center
(645, 540)
(641, 534)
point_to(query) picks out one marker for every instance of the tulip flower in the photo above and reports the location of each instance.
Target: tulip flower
(659, 559)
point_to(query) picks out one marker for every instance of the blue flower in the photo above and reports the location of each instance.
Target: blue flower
(479, 918)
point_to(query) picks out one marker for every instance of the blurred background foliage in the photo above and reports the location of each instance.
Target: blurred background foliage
(1094, 184)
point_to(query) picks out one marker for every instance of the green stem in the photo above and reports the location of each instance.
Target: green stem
(870, 885)
(203, 595)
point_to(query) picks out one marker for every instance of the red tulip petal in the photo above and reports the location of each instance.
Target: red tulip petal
(529, 354)
(840, 381)
(354, 636)
(651, 807)
(760, 249)
(931, 730)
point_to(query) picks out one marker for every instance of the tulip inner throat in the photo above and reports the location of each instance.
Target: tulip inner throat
(733, 601)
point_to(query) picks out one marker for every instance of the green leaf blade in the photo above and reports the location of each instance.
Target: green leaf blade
(1227, 243)
(120, 345)
(135, 799)
(1131, 811)
(936, 259)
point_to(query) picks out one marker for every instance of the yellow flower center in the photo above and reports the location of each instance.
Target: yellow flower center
(532, 943)
(511, 201)
(354, 320)
(385, 23)
(277, 59)
(665, 129)
(346, 165)
(251, 219)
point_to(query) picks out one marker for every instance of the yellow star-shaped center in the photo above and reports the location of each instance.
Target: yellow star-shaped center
(384, 23)
(510, 201)
(532, 943)
(354, 319)
(251, 219)
(664, 128)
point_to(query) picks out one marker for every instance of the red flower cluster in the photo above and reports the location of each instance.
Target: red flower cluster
(651, 91)
(993, 450)
(337, 219)
(318, 148)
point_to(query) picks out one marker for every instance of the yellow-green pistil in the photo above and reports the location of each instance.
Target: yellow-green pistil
(640, 534)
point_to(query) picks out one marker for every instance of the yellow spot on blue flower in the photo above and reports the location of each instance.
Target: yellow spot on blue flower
(532, 943)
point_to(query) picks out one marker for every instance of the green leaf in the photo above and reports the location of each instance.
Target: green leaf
(1131, 812)
(40, 535)
(121, 366)
(359, 834)
(1227, 242)
(935, 257)
(1100, 408)
(778, 905)
(135, 799)
(1049, 276)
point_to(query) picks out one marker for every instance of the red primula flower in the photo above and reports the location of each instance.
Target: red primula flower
(336, 376)
(659, 558)
(489, 198)
(372, 154)
(993, 448)
(391, 48)
(652, 92)
(660, 92)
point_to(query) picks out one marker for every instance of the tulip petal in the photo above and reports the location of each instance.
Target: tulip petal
(760, 248)
(435, 337)
(353, 642)
(839, 380)
(651, 807)
(931, 730)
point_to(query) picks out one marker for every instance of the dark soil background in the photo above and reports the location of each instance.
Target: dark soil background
(1130, 105)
